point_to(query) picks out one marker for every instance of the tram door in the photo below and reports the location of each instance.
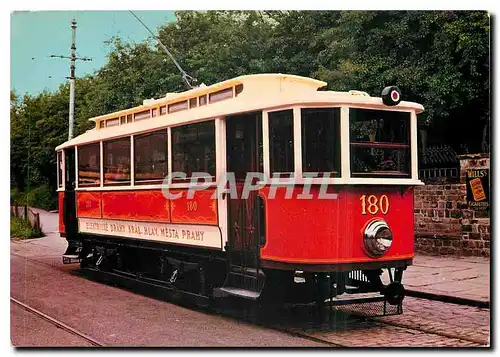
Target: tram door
(69, 203)
(244, 154)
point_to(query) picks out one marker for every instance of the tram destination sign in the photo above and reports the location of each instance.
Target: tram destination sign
(198, 235)
(478, 188)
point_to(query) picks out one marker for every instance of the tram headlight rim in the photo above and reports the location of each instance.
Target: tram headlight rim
(377, 237)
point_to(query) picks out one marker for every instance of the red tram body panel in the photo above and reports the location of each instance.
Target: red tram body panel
(148, 205)
(330, 231)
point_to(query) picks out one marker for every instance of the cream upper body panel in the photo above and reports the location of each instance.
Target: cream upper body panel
(260, 92)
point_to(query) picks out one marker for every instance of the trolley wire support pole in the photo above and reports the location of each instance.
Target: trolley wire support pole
(72, 80)
(73, 58)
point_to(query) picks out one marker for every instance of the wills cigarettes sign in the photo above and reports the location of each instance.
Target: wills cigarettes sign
(478, 188)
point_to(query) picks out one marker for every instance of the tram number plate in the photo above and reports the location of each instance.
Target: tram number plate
(373, 204)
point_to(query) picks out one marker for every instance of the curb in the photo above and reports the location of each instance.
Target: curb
(450, 299)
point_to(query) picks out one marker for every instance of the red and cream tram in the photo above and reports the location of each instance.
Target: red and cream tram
(330, 213)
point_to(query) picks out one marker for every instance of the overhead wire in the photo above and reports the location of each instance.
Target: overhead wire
(188, 80)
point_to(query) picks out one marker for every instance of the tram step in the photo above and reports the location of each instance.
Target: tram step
(250, 272)
(238, 292)
(71, 258)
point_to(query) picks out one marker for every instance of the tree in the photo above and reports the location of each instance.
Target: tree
(437, 58)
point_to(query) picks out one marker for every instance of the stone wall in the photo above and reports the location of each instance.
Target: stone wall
(444, 224)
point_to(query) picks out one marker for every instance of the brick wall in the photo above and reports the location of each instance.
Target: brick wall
(443, 222)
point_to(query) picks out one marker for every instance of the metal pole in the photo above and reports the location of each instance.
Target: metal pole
(72, 80)
(72, 77)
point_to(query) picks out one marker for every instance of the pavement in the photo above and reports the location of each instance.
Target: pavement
(455, 278)
(439, 277)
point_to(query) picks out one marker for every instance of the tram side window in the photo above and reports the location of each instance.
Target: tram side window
(193, 148)
(379, 143)
(89, 171)
(59, 169)
(150, 157)
(117, 162)
(281, 142)
(321, 141)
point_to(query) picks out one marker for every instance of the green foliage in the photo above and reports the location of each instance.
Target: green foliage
(21, 228)
(41, 197)
(438, 58)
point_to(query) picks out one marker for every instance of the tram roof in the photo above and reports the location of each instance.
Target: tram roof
(260, 92)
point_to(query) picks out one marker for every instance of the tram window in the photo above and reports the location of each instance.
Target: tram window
(59, 169)
(112, 122)
(177, 107)
(321, 141)
(380, 143)
(153, 112)
(163, 110)
(221, 95)
(150, 157)
(89, 171)
(203, 100)
(193, 102)
(145, 114)
(238, 89)
(244, 144)
(129, 118)
(281, 142)
(123, 120)
(116, 158)
(102, 124)
(193, 148)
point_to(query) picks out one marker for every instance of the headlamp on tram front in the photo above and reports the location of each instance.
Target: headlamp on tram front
(377, 237)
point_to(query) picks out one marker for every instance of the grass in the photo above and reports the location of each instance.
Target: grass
(21, 228)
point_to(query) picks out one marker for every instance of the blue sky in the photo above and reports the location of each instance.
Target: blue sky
(40, 34)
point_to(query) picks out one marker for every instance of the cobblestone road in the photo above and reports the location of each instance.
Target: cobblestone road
(121, 318)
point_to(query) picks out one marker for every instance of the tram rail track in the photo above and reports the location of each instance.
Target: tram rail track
(310, 328)
(57, 323)
(430, 331)
(285, 329)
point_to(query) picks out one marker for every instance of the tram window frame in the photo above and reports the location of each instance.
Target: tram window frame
(85, 153)
(375, 140)
(149, 138)
(183, 151)
(312, 153)
(108, 156)
(275, 120)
